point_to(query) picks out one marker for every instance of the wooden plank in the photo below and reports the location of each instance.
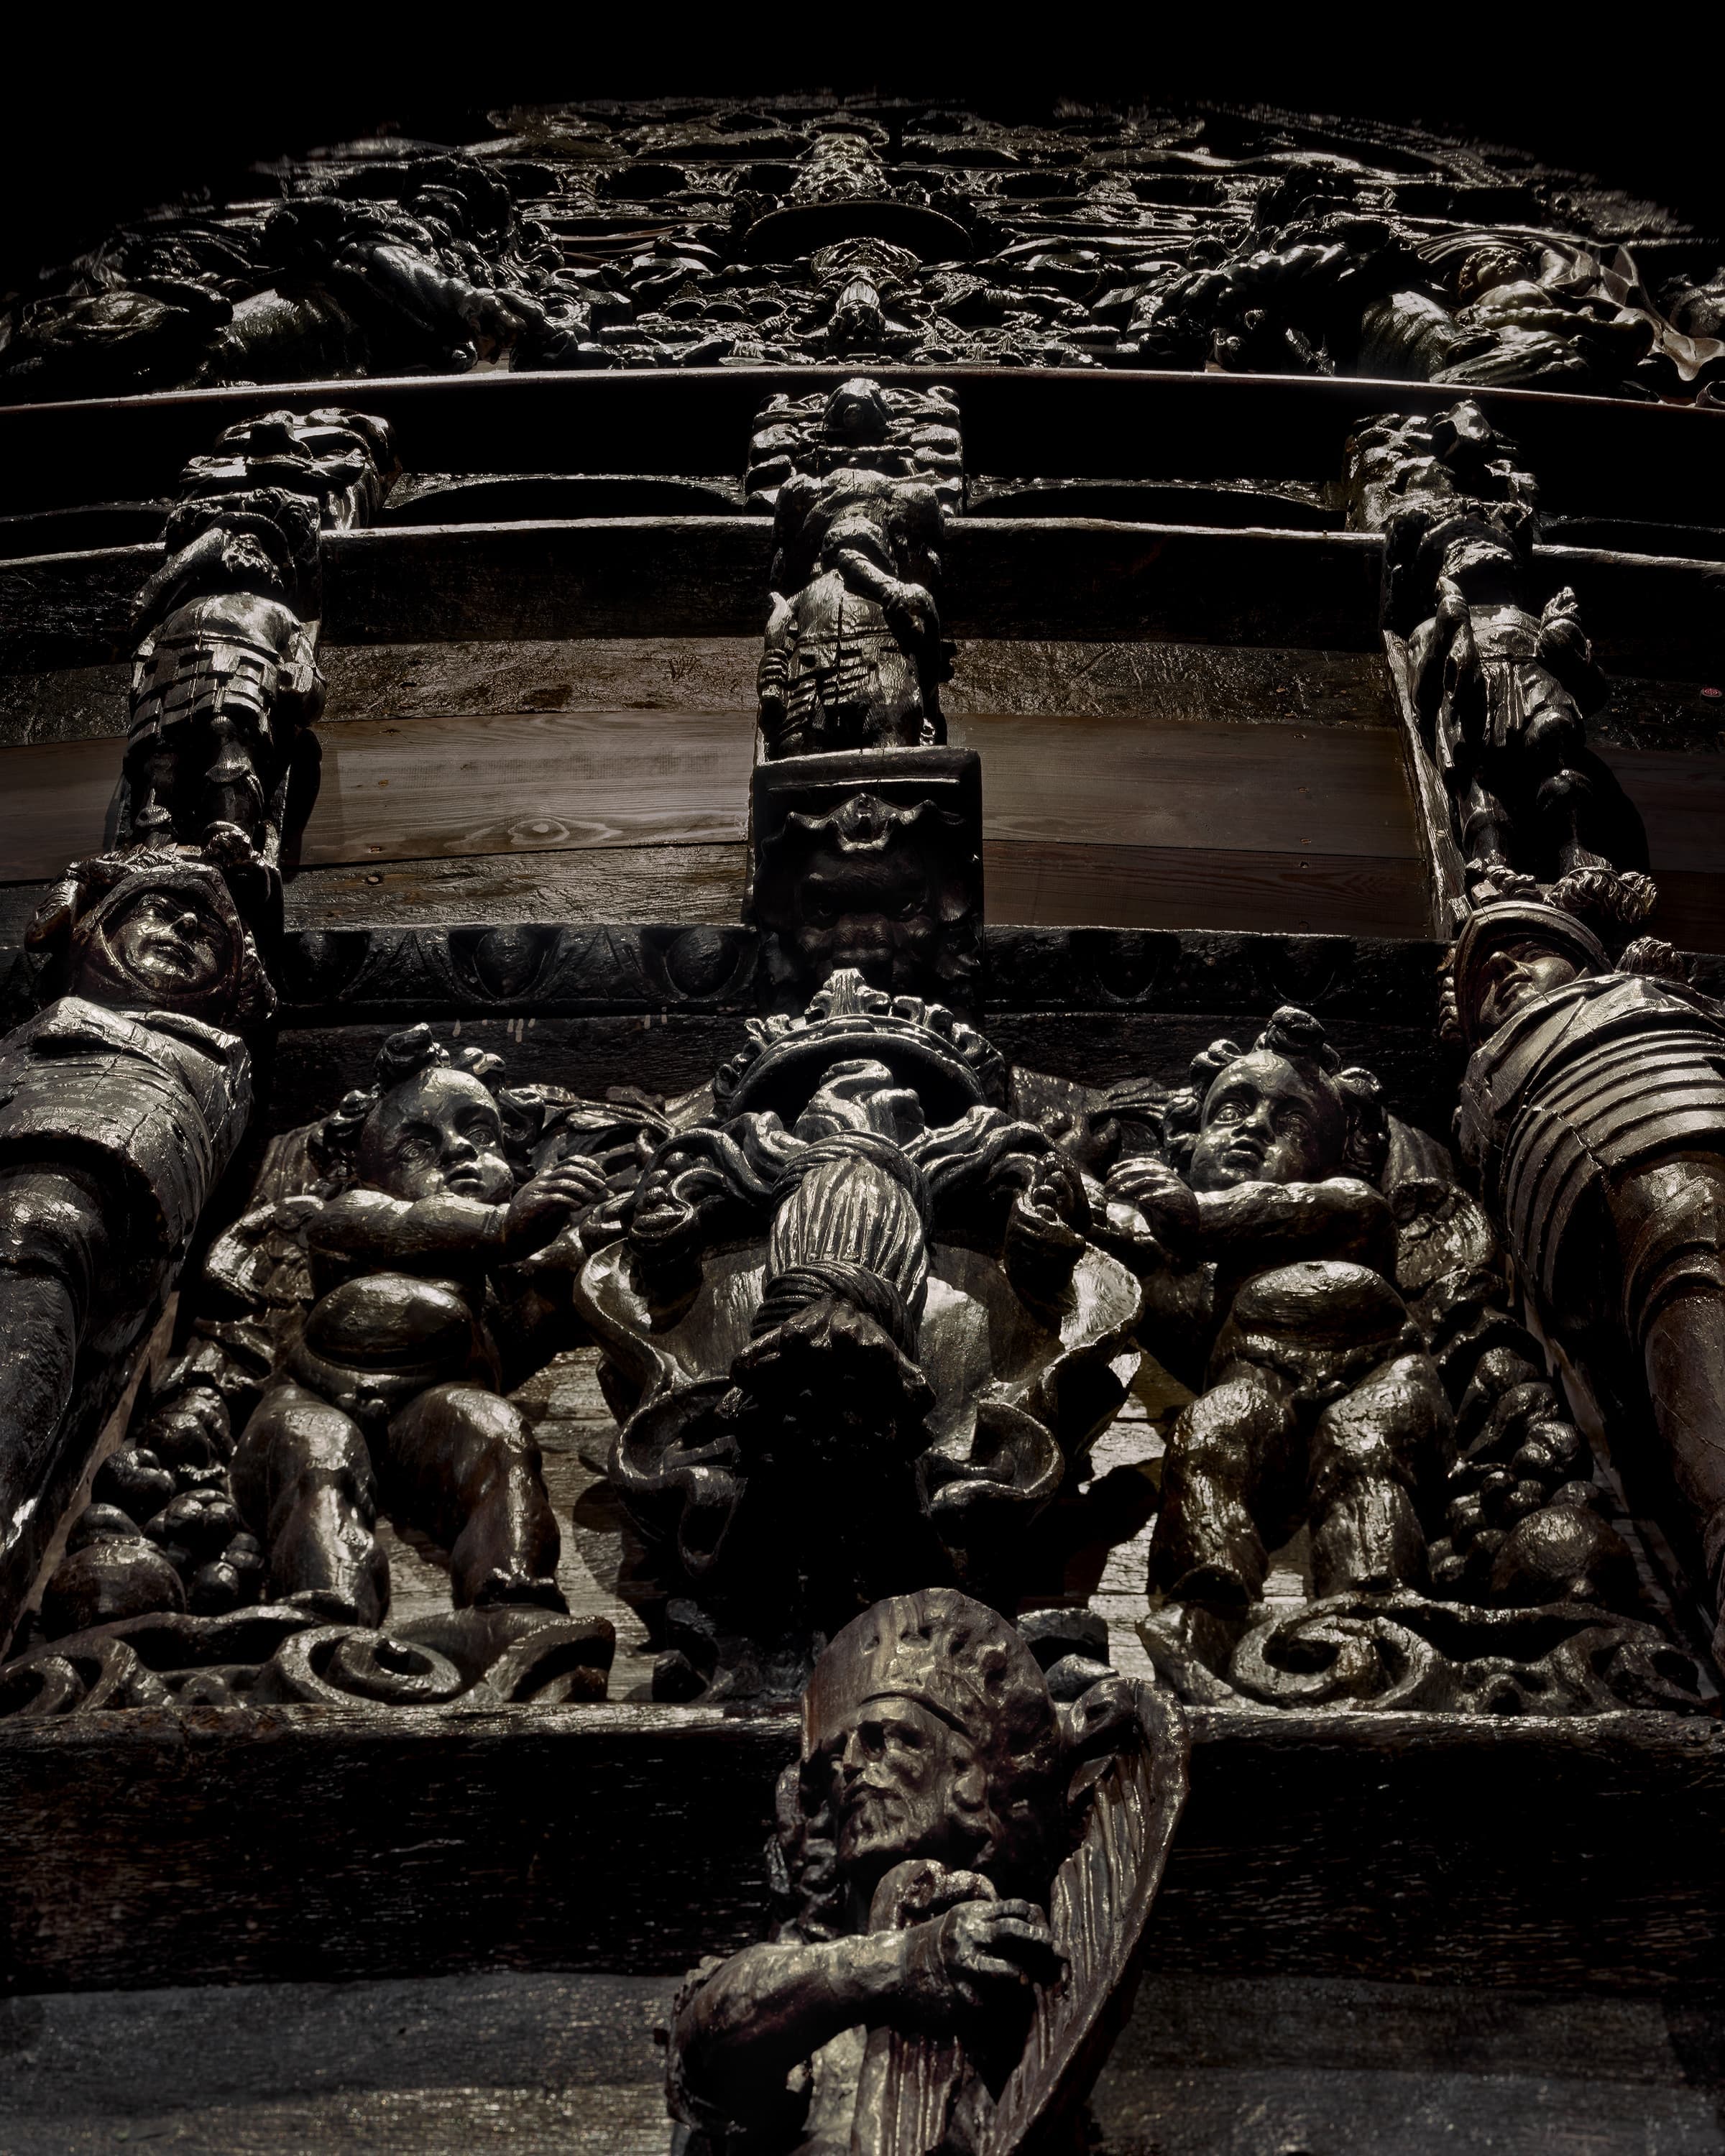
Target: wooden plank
(530, 782)
(1008, 577)
(1315, 1846)
(714, 674)
(1049, 780)
(1600, 454)
(489, 783)
(1192, 886)
(616, 884)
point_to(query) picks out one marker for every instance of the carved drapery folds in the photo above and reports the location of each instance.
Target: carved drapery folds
(855, 1330)
(970, 1869)
(1499, 692)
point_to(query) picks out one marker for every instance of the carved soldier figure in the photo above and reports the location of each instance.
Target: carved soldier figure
(120, 1104)
(854, 654)
(1503, 692)
(226, 680)
(1269, 1278)
(1594, 1113)
(386, 1393)
(943, 1963)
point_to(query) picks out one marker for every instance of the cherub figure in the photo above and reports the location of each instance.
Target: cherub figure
(387, 1394)
(1270, 1265)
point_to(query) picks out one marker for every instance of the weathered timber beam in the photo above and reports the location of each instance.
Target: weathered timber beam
(157, 1847)
(1595, 454)
(1019, 576)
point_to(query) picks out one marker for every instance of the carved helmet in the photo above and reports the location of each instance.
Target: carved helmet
(84, 910)
(1517, 920)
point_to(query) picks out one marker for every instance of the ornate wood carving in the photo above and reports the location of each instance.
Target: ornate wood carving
(969, 1869)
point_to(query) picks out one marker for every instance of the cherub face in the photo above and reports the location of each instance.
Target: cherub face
(439, 1130)
(1265, 1121)
(1509, 977)
(897, 1775)
(167, 943)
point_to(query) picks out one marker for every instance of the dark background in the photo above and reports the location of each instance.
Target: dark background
(103, 121)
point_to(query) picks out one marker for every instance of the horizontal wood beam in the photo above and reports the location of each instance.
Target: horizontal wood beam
(151, 1847)
(1079, 578)
(1606, 455)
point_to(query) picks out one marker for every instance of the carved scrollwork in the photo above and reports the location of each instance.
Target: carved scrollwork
(1408, 1651)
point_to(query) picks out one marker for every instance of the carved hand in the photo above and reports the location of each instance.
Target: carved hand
(540, 1208)
(1167, 1203)
(958, 1959)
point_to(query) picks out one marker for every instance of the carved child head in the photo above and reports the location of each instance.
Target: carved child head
(1509, 955)
(430, 1125)
(1285, 1111)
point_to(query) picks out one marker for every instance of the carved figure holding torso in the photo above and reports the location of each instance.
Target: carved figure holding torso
(934, 1837)
(388, 1395)
(1506, 694)
(1269, 1269)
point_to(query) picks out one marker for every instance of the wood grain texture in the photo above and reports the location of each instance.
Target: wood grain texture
(1601, 456)
(1069, 804)
(546, 2064)
(1208, 887)
(1314, 1847)
(702, 883)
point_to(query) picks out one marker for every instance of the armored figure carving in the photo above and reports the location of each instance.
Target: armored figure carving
(971, 1868)
(387, 1392)
(226, 681)
(1503, 693)
(855, 656)
(120, 1104)
(855, 1329)
(1592, 1112)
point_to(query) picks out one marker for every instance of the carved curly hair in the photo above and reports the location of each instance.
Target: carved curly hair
(334, 1143)
(1299, 1038)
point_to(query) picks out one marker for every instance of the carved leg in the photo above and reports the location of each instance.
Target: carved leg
(1228, 1451)
(462, 1464)
(303, 1478)
(1370, 1453)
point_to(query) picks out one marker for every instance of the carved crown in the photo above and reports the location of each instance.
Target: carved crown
(948, 1063)
(954, 1656)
